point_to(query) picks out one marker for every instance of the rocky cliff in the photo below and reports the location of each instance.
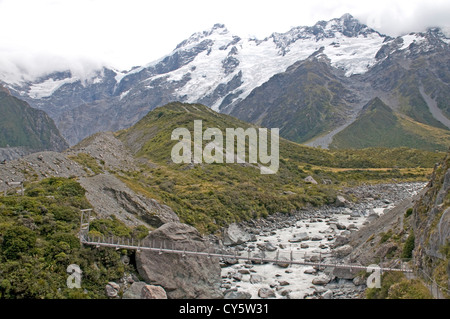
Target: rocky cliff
(24, 130)
(431, 225)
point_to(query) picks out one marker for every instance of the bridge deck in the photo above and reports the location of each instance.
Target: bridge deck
(118, 243)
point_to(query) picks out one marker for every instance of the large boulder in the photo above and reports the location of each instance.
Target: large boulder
(340, 201)
(344, 273)
(190, 277)
(310, 180)
(321, 280)
(235, 235)
(299, 237)
(343, 251)
(266, 293)
(108, 195)
(140, 290)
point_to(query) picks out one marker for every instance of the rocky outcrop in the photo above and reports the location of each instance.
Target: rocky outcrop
(109, 196)
(105, 148)
(38, 166)
(431, 225)
(26, 127)
(189, 276)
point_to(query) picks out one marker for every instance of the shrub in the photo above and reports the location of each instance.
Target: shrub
(71, 188)
(409, 289)
(409, 246)
(408, 212)
(18, 240)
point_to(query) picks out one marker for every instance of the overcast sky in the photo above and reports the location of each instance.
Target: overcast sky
(38, 35)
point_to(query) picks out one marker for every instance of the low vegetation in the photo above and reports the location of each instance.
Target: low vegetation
(209, 196)
(38, 241)
(394, 285)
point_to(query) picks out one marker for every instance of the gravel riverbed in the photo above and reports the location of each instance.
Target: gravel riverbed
(310, 235)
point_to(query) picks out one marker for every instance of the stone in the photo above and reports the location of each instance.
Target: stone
(125, 260)
(237, 276)
(327, 294)
(341, 226)
(244, 271)
(229, 261)
(311, 180)
(112, 290)
(181, 276)
(285, 292)
(340, 201)
(344, 273)
(310, 271)
(340, 241)
(321, 280)
(359, 281)
(343, 251)
(266, 293)
(153, 292)
(355, 214)
(283, 262)
(237, 295)
(314, 258)
(299, 237)
(270, 247)
(256, 279)
(109, 195)
(235, 235)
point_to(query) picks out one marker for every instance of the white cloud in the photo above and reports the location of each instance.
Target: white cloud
(38, 35)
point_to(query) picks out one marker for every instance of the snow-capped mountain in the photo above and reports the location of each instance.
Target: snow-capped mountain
(220, 68)
(215, 68)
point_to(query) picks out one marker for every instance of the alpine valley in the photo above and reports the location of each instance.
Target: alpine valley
(363, 175)
(314, 83)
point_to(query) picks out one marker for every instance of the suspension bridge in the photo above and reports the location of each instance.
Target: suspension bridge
(278, 257)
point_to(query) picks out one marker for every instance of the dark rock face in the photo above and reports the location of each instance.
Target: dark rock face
(25, 130)
(309, 99)
(431, 220)
(191, 277)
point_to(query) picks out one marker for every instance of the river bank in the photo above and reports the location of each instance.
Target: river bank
(312, 234)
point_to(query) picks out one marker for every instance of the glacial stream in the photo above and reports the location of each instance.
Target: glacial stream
(310, 237)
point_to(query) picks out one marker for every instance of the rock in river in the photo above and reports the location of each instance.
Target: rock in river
(181, 277)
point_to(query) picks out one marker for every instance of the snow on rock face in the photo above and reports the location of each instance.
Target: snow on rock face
(46, 88)
(349, 46)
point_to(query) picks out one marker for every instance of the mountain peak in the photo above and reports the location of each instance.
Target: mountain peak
(4, 89)
(218, 29)
(346, 17)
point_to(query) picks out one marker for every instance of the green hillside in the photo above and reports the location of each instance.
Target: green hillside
(39, 239)
(21, 125)
(379, 126)
(209, 196)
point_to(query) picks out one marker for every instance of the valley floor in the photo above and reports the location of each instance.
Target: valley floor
(322, 229)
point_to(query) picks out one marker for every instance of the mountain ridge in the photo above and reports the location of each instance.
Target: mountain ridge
(24, 130)
(220, 69)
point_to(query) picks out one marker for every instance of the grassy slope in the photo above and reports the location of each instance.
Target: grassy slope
(21, 125)
(209, 196)
(380, 126)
